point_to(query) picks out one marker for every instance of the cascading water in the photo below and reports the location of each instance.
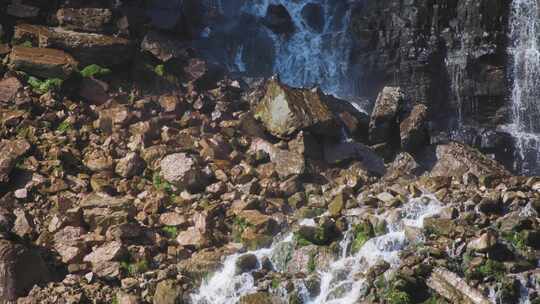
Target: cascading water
(525, 74)
(342, 283)
(310, 56)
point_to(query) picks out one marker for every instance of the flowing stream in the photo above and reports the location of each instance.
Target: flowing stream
(343, 282)
(310, 56)
(525, 74)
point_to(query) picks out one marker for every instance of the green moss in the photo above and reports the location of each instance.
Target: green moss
(44, 86)
(170, 231)
(489, 268)
(517, 239)
(395, 296)
(160, 70)
(27, 44)
(64, 127)
(312, 264)
(95, 70)
(362, 233)
(239, 225)
(275, 283)
(161, 184)
(134, 268)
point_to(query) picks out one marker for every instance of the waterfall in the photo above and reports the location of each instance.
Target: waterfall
(311, 57)
(525, 74)
(342, 283)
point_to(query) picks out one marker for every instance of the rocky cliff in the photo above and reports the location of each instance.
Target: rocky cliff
(449, 55)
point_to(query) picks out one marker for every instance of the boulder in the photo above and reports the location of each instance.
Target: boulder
(453, 288)
(42, 62)
(168, 292)
(84, 19)
(278, 19)
(183, 171)
(87, 48)
(246, 263)
(20, 269)
(10, 151)
(284, 111)
(413, 129)
(456, 159)
(383, 121)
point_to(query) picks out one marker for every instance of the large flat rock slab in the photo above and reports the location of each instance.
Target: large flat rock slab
(87, 48)
(42, 62)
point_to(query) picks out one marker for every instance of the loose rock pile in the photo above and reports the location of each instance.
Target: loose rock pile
(131, 187)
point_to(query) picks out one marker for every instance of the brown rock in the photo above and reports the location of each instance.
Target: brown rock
(10, 151)
(284, 111)
(383, 118)
(109, 252)
(413, 130)
(84, 19)
(9, 88)
(42, 62)
(456, 159)
(454, 288)
(129, 166)
(70, 245)
(94, 90)
(184, 171)
(87, 48)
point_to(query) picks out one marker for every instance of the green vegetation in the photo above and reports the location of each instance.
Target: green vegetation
(64, 127)
(301, 241)
(275, 283)
(44, 86)
(395, 296)
(362, 233)
(170, 231)
(517, 239)
(26, 43)
(239, 225)
(312, 265)
(489, 268)
(134, 268)
(95, 70)
(160, 70)
(160, 183)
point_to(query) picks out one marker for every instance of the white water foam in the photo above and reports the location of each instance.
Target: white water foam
(343, 282)
(525, 74)
(309, 58)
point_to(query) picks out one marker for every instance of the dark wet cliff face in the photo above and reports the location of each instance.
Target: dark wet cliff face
(447, 54)
(450, 55)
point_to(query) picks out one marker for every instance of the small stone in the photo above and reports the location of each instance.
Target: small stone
(246, 263)
(483, 243)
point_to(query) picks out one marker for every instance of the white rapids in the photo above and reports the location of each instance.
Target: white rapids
(342, 283)
(524, 54)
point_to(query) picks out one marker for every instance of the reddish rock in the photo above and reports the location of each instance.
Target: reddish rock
(9, 88)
